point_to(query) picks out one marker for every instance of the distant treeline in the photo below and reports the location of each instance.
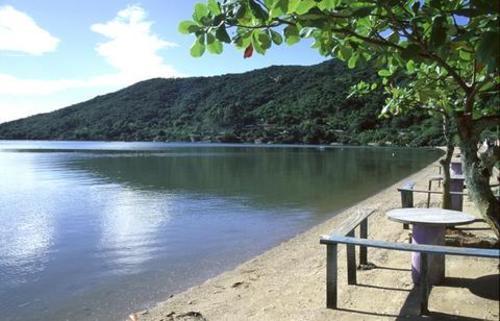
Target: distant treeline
(280, 104)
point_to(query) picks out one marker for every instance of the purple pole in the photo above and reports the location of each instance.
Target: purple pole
(428, 234)
(457, 185)
(456, 168)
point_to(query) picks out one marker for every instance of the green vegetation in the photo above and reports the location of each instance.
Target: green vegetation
(447, 52)
(281, 104)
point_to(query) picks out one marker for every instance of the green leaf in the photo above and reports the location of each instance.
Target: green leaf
(362, 12)
(410, 66)
(352, 61)
(424, 94)
(214, 46)
(438, 33)
(257, 11)
(210, 38)
(222, 35)
(345, 53)
(384, 73)
(200, 11)
(292, 6)
(261, 41)
(256, 43)
(487, 86)
(243, 39)
(188, 26)
(394, 37)
(269, 3)
(304, 6)
(239, 11)
(213, 7)
(465, 55)
(328, 4)
(276, 37)
(264, 39)
(198, 47)
(291, 35)
(489, 50)
(279, 8)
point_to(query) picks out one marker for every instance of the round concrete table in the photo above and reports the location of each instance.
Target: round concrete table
(429, 226)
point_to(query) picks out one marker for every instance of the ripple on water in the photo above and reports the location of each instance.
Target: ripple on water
(87, 234)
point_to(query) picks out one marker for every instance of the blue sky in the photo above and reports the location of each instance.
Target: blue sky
(54, 53)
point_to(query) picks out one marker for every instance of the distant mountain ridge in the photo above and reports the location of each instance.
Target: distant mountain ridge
(278, 104)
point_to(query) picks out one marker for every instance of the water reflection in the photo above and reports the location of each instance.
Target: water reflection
(26, 241)
(269, 177)
(86, 234)
(130, 222)
(27, 230)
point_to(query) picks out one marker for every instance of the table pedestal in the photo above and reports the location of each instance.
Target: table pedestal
(456, 168)
(434, 235)
(457, 185)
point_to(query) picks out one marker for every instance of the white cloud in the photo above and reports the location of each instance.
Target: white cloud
(20, 33)
(12, 108)
(11, 85)
(131, 48)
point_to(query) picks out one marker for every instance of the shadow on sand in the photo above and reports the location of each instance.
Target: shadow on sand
(486, 287)
(411, 307)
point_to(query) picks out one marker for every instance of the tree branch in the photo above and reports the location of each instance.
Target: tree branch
(274, 23)
(375, 41)
(461, 82)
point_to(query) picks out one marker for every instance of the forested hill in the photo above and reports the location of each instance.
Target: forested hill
(280, 104)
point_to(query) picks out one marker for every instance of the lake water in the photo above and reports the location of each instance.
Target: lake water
(94, 231)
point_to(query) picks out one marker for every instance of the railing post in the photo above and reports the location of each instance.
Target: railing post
(429, 194)
(331, 276)
(406, 201)
(424, 284)
(363, 250)
(351, 261)
(439, 181)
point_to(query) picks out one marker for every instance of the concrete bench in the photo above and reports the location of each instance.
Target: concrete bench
(347, 228)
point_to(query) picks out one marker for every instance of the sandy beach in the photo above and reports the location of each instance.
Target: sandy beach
(288, 281)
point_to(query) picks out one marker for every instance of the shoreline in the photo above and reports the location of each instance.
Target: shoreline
(315, 202)
(224, 144)
(287, 282)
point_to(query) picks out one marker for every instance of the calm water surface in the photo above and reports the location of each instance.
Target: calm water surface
(94, 231)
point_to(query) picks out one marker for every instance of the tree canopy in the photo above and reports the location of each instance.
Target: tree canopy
(259, 109)
(451, 40)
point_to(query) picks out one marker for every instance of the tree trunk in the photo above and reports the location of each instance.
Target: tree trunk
(445, 163)
(477, 176)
